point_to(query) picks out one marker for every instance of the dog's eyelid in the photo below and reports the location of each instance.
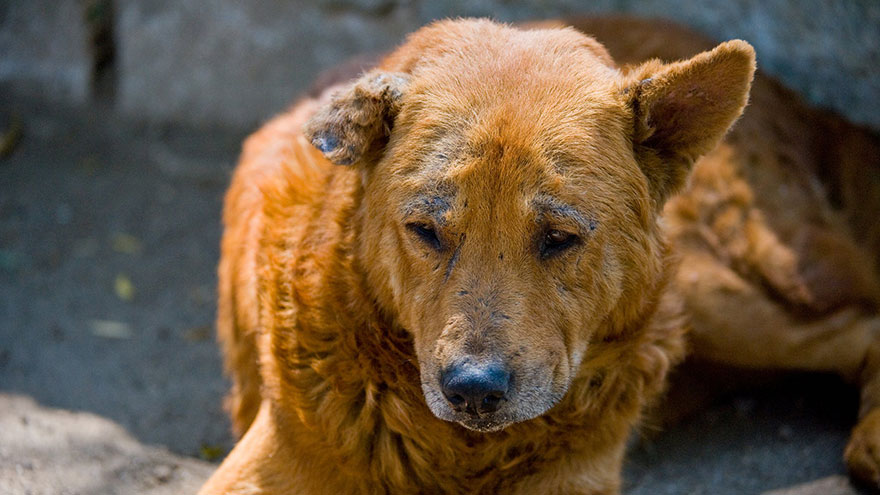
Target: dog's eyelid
(554, 242)
(565, 226)
(554, 214)
(427, 232)
(429, 203)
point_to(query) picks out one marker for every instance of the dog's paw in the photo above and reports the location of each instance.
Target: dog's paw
(862, 454)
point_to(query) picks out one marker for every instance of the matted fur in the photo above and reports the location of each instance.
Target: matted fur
(307, 283)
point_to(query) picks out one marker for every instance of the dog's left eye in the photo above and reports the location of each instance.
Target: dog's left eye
(427, 234)
(556, 241)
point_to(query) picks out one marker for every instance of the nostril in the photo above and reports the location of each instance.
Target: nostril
(458, 402)
(491, 402)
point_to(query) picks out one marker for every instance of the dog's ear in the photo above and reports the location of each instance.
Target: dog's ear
(357, 121)
(681, 110)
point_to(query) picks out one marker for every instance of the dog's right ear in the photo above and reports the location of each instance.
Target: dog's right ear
(681, 110)
(355, 125)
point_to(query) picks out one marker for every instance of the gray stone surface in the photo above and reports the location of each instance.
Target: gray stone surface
(49, 452)
(44, 48)
(832, 485)
(236, 63)
(778, 436)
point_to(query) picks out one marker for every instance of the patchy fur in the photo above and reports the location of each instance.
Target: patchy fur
(503, 207)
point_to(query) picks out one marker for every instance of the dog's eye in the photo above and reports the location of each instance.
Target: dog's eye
(427, 234)
(557, 241)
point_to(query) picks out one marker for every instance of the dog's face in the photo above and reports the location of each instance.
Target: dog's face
(512, 239)
(509, 207)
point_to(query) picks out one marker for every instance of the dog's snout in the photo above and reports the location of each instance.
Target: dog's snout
(475, 388)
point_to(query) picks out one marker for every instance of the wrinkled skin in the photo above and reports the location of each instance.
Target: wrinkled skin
(466, 229)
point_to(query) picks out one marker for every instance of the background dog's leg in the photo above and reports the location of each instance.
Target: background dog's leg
(734, 322)
(863, 451)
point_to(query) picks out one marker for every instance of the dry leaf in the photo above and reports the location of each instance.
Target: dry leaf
(210, 452)
(85, 248)
(197, 334)
(10, 137)
(110, 329)
(127, 244)
(123, 287)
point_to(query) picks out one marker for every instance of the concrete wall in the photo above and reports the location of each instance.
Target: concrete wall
(44, 48)
(236, 63)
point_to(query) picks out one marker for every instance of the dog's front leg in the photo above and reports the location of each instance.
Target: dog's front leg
(268, 460)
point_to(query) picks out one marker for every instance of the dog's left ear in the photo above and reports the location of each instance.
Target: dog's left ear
(681, 110)
(355, 125)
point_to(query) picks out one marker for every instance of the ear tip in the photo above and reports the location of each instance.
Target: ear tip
(325, 142)
(738, 50)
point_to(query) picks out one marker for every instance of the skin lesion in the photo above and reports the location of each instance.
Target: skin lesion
(552, 208)
(454, 259)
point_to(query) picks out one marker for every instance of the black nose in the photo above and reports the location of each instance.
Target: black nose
(475, 388)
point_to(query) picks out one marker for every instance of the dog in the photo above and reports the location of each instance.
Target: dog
(471, 269)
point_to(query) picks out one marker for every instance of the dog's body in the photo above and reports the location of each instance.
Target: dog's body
(485, 301)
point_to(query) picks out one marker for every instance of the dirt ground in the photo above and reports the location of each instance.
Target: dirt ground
(110, 380)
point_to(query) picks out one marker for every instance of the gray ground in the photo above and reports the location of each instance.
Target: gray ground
(110, 380)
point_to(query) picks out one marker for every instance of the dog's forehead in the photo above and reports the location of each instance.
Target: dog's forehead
(494, 165)
(509, 119)
(547, 89)
(530, 134)
(514, 63)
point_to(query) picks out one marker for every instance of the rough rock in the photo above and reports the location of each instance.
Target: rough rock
(50, 451)
(832, 485)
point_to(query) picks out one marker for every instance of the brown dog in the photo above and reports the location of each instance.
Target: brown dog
(484, 300)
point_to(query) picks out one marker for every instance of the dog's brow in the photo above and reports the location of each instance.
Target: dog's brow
(548, 205)
(432, 203)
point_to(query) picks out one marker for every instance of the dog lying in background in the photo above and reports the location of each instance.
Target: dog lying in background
(489, 292)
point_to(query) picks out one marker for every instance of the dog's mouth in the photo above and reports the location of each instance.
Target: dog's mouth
(513, 411)
(484, 424)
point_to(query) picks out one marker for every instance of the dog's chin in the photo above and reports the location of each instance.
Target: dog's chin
(484, 425)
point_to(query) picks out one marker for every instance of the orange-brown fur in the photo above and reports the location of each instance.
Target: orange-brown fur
(328, 322)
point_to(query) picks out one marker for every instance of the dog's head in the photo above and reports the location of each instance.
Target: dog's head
(511, 186)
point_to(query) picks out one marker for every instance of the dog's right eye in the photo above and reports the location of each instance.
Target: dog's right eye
(557, 241)
(427, 234)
